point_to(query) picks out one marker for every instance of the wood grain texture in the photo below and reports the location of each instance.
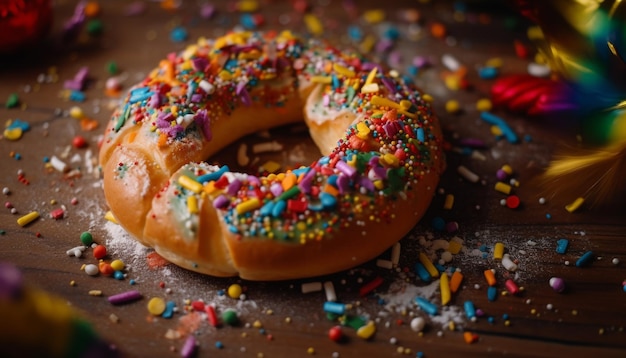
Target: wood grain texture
(587, 319)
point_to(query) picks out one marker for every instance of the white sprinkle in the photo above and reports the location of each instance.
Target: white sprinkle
(311, 287)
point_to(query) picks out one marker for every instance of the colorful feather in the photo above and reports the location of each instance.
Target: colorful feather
(584, 42)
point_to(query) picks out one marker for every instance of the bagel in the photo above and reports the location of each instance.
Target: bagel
(381, 158)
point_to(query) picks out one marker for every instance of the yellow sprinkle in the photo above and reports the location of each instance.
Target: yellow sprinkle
(378, 184)
(374, 16)
(72, 283)
(444, 287)
(507, 169)
(575, 205)
(483, 104)
(449, 202)
(432, 270)
(496, 131)
(498, 251)
(271, 166)
(156, 306)
(363, 131)
(342, 70)
(310, 350)
(453, 82)
(13, 133)
(257, 324)
(371, 76)
(367, 330)
(225, 75)
(453, 106)
(384, 102)
(28, 218)
(534, 33)
(370, 88)
(454, 247)
(368, 43)
(390, 159)
(494, 62)
(313, 24)
(503, 187)
(117, 265)
(405, 104)
(248, 205)
(321, 79)
(192, 205)
(76, 112)
(189, 184)
(95, 293)
(248, 5)
(428, 98)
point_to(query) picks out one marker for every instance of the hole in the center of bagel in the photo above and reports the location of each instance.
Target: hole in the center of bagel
(273, 151)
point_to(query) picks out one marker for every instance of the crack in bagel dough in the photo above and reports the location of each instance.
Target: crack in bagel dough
(381, 146)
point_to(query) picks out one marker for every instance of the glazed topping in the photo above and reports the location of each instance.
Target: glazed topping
(208, 80)
(377, 162)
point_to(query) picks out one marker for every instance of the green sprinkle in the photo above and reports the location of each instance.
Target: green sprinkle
(230, 317)
(86, 238)
(112, 68)
(94, 27)
(13, 100)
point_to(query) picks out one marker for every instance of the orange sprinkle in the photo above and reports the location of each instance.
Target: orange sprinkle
(331, 190)
(438, 30)
(455, 281)
(162, 140)
(92, 9)
(470, 337)
(87, 124)
(490, 277)
(289, 180)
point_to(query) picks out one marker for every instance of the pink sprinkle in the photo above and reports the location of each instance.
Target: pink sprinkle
(124, 297)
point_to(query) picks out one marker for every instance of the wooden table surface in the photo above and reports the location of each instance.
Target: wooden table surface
(277, 319)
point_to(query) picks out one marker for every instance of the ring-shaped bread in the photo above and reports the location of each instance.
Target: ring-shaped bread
(381, 160)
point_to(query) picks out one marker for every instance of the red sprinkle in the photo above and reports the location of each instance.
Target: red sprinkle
(370, 286)
(99, 252)
(79, 142)
(335, 334)
(512, 201)
(211, 316)
(57, 214)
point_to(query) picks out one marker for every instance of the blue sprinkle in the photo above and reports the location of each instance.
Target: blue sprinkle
(426, 305)
(247, 21)
(492, 293)
(221, 292)
(505, 316)
(17, 156)
(548, 216)
(470, 310)
(179, 34)
(507, 132)
(169, 309)
(491, 320)
(118, 275)
(561, 246)
(585, 260)
(421, 271)
(488, 72)
(77, 96)
(18, 123)
(219, 345)
(438, 223)
(334, 307)
(355, 33)
(46, 159)
(132, 282)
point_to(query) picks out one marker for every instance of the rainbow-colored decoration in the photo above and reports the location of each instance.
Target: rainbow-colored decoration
(584, 43)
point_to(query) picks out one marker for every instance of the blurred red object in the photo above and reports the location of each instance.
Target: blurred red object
(23, 22)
